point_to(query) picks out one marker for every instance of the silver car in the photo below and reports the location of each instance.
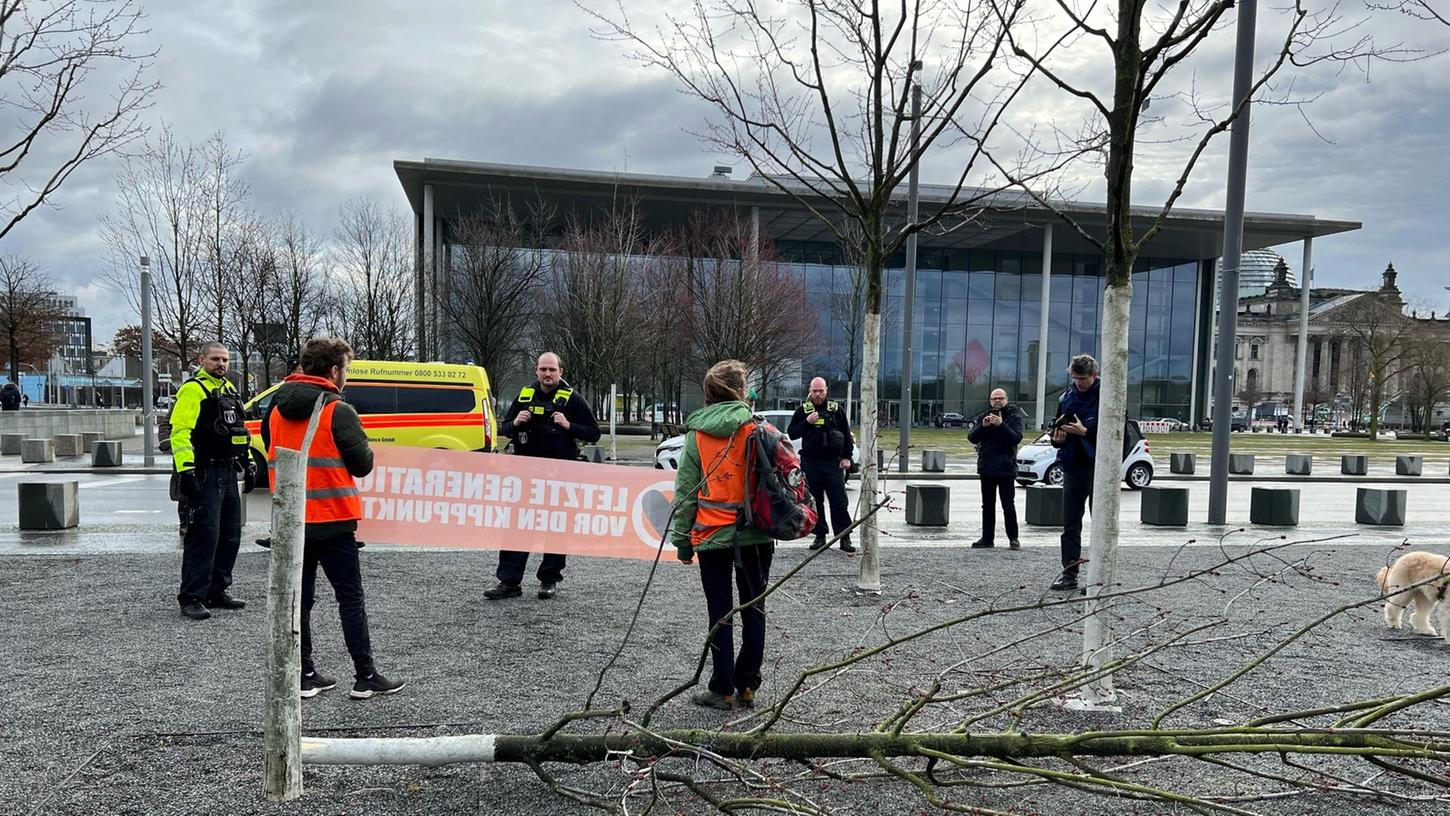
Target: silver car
(1038, 462)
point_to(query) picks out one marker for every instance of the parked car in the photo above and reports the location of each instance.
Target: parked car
(668, 452)
(950, 419)
(1038, 462)
(1239, 423)
(1174, 425)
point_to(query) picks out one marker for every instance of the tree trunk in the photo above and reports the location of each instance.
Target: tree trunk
(282, 709)
(869, 570)
(1376, 394)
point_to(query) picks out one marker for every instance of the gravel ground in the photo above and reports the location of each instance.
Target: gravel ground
(117, 706)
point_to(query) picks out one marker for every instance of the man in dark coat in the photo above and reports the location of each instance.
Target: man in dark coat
(996, 435)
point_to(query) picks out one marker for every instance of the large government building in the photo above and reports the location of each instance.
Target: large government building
(983, 288)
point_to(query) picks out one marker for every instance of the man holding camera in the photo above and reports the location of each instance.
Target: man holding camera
(996, 435)
(547, 420)
(1075, 435)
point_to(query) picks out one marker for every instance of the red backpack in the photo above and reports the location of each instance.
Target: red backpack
(779, 502)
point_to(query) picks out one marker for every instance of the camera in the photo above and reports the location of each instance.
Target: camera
(1061, 420)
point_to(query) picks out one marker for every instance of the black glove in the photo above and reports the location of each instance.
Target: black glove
(188, 484)
(249, 476)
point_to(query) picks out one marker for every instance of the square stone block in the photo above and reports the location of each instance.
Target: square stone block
(37, 450)
(49, 505)
(1354, 465)
(1044, 506)
(1241, 463)
(1298, 464)
(1409, 465)
(10, 444)
(928, 505)
(68, 445)
(1165, 506)
(1181, 462)
(1382, 507)
(1274, 506)
(933, 461)
(106, 454)
(89, 440)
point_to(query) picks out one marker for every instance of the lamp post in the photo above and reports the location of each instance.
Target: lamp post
(904, 442)
(148, 410)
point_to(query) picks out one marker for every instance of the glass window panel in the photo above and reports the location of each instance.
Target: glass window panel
(954, 284)
(979, 312)
(1031, 316)
(1032, 287)
(981, 285)
(1009, 286)
(1005, 313)
(928, 284)
(954, 312)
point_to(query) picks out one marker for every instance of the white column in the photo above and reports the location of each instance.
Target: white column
(1306, 276)
(426, 295)
(1042, 326)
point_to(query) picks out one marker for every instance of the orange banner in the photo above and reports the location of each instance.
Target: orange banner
(439, 498)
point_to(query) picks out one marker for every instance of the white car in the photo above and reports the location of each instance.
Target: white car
(1038, 462)
(668, 452)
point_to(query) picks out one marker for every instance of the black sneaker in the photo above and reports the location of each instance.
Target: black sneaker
(547, 590)
(375, 683)
(1014, 544)
(195, 611)
(847, 546)
(819, 543)
(224, 600)
(265, 543)
(502, 590)
(1065, 582)
(314, 682)
(982, 544)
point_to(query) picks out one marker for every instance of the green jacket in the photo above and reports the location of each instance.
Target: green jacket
(184, 413)
(720, 420)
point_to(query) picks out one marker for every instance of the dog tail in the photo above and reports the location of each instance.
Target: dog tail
(1382, 579)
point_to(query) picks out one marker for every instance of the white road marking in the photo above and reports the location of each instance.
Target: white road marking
(112, 482)
(122, 512)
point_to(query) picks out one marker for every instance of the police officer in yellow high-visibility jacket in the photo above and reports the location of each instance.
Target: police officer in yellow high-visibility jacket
(209, 446)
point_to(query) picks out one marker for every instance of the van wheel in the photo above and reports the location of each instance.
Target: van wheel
(1139, 476)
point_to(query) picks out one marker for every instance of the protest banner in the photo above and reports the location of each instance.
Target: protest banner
(440, 498)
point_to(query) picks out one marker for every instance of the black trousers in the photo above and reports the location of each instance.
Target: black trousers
(511, 565)
(731, 672)
(828, 483)
(338, 558)
(992, 488)
(1077, 491)
(209, 550)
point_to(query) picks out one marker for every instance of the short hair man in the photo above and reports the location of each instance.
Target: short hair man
(338, 454)
(547, 420)
(209, 444)
(996, 434)
(826, 446)
(1075, 435)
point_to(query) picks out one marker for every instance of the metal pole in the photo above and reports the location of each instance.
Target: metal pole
(148, 408)
(904, 445)
(613, 445)
(1042, 329)
(1306, 275)
(1233, 244)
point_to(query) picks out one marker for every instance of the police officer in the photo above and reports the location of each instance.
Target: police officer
(209, 446)
(547, 420)
(826, 446)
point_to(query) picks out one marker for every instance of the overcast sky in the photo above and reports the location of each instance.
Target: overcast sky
(323, 96)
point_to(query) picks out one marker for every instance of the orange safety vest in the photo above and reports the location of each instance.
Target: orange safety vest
(723, 494)
(331, 491)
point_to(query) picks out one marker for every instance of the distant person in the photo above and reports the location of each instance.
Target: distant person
(711, 476)
(339, 453)
(826, 447)
(996, 435)
(1075, 435)
(10, 397)
(547, 420)
(25, 400)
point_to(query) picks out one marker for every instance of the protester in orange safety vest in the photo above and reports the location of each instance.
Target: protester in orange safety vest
(339, 452)
(711, 488)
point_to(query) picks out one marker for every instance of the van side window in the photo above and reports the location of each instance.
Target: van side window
(436, 400)
(371, 398)
(259, 410)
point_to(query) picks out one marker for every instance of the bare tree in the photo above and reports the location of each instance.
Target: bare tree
(373, 281)
(297, 298)
(254, 284)
(1380, 335)
(28, 313)
(1427, 377)
(229, 234)
(73, 83)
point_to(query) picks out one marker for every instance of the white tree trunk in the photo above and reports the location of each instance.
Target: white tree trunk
(1107, 486)
(282, 707)
(868, 578)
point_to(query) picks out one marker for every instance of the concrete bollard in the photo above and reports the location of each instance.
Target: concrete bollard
(1044, 506)
(1298, 464)
(1409, 465)
(37, 451)
(1164, 506)
(1274, 506)
(1380, 507)
(89, 440)
(594, 453)
(1353, 465)
(933, 461)
(49, 505)
(928, 505)
(1241, 463)
(106, 454)
(10, 443)
(68, 445)
(1181, 462)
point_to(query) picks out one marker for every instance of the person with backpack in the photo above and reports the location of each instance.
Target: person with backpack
(712, 489)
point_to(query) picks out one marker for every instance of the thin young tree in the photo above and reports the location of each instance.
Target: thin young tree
(297, 300)
(1382, 336)
(28, 313)
(372, 280)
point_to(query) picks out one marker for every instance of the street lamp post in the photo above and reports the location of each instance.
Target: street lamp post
(148, 409)
(904, 442)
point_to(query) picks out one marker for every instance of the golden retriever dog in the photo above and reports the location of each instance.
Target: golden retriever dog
(1416, 568)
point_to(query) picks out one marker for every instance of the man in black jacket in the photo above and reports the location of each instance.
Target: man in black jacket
(996, 435)
(826, 447)
(547, 420)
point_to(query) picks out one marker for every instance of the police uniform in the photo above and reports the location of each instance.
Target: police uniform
(824, 443)
(209, 446)
(541, 437)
